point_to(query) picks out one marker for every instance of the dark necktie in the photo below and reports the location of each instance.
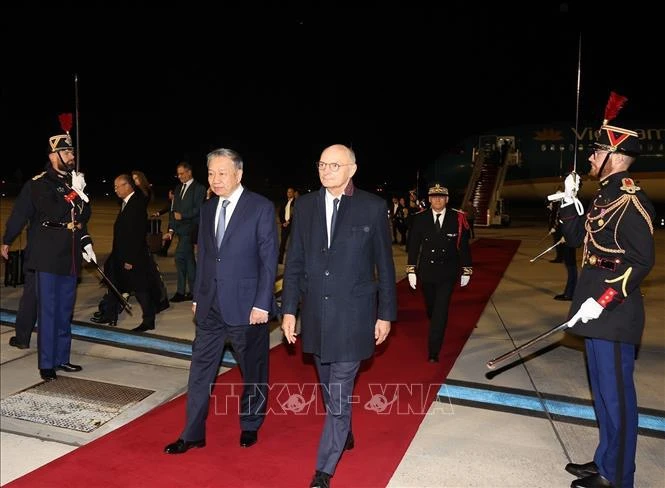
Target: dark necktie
(182, 192)
(123, 205)
(438, 222)
(221, 223)
(333, 219)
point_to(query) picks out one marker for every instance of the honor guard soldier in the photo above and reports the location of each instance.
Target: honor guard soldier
(617, 234)
(438, 251)
(62, 212)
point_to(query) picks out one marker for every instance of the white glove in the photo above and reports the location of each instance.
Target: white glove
(589, 310)
(464, 280)
(78, 185)
(571, 187)
(88, 254)
(412, 280)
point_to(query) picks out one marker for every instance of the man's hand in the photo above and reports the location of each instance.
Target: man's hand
(589, 310)
(88, 254)
(167, 237)
(381, 330)
(258, 317)
(78, 185)
(464, 280)
(412, 280)
(177, 215)
(289, 327)
(4, 250)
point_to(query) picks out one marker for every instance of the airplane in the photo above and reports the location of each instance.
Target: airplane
(526, 163)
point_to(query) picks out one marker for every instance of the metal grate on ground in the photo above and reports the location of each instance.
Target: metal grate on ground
(72, 403)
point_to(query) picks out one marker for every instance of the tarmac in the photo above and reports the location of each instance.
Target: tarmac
(517, 426)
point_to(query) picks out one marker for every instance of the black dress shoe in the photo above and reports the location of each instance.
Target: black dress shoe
(594, 481)
(563, 298)
(180, 446)
(48, 374)
(556, 260)
(320, 480)
(582, 470)
(433, 359)
(104, 320)
(13, 341)
(69, 367)
(178, 297)
(248, 438)
(189, 297)
(143, 327)
(350, 442)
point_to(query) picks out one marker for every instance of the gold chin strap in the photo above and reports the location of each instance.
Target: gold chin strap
(624, 278)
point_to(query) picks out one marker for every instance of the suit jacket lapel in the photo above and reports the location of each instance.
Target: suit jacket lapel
(321, 211)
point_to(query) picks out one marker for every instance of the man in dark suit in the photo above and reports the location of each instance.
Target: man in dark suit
(23, 213)
(340, 272)
(189, 195)
(438, 251)
(285, 219)
(233, 298)
(130, 257)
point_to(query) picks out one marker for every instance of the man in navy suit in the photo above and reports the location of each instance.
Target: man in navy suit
(233, 298)
(340, 272)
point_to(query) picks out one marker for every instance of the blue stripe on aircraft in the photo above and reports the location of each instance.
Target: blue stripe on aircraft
(122, 338)
(529, 403)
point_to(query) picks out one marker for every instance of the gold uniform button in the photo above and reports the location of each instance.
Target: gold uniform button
(592, 260)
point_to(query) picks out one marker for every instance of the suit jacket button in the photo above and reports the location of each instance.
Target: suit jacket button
(325, 297)
(218, 260)
(326, 273)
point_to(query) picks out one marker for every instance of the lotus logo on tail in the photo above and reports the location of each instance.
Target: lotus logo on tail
(548, 135)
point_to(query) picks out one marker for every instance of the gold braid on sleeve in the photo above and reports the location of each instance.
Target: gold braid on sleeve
(410, 268)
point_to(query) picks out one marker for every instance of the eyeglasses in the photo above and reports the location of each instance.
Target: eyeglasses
(334, 167)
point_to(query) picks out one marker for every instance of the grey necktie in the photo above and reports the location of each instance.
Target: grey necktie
(333, 219)
(182, 192)
(438, 222)
(122, 207)
(221, 223)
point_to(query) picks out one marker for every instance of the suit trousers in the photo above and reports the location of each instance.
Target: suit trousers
(27, 309)
(337, 380)
(56, 304)
(437, 301)
(611, 365)
(185, 264)
(284, 238)
(251, 346)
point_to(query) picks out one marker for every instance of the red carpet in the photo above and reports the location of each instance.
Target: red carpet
(390, 406)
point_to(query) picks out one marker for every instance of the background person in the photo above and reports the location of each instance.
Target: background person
(189, 196)
(438, 252)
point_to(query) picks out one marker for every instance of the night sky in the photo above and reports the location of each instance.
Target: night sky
(399, 85)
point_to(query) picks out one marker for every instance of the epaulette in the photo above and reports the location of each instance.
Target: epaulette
(629, 186)
(36, 177)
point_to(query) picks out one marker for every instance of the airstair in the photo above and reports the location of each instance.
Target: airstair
(491, 160)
